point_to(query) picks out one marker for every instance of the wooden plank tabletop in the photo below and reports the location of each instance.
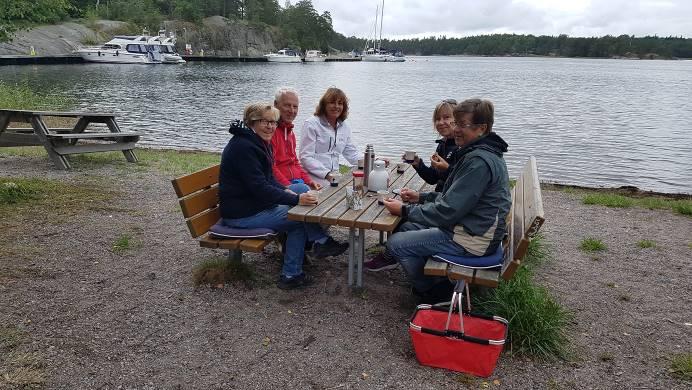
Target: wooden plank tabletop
(333, 208)
(57, 113)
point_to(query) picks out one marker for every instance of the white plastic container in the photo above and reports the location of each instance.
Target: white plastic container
(379, 177)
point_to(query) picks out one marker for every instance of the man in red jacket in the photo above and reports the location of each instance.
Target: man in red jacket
(286, 166)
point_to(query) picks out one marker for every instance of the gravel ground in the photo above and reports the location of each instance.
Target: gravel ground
(99, 318)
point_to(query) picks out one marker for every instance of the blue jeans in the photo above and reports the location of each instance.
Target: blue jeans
(298, 233)
(413, 243)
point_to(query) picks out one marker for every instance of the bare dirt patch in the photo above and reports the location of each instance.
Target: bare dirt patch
(104, 318)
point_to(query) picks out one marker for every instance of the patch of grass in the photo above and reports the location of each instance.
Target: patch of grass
(176, 162)
(680, 206)
(681, 366)
(22, 97)
(646, 244)
(10, 338)
(17, 192)
(219, 271)
(591, 244)
(344, 169)
(537, 323)
(606, 357)
(608, 200)
(123, 243)
(18, 370)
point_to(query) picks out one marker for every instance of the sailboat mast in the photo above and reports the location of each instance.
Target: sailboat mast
(379, 46)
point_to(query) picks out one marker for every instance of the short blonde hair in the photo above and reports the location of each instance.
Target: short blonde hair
(333, 94)
(255, 111)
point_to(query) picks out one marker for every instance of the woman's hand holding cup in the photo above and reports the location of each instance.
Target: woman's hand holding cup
(307, 199)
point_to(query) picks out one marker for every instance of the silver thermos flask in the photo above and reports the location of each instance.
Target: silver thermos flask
(368, 163)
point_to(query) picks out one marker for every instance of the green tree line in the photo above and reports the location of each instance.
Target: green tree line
(300, 24)
(562, 45)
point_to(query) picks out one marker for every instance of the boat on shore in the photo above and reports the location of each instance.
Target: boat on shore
(314, 56)
(284, 56)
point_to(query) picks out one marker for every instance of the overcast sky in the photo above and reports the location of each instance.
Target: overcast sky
(421, 18)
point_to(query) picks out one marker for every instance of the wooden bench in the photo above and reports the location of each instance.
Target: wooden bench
(198, 195)
(62, 142)
(523, 222)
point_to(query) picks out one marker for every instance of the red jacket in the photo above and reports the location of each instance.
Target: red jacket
(286, 164)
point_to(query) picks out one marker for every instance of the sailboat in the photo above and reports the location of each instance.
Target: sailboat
(376, 53)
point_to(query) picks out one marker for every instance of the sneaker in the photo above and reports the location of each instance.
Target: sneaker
(380, 263)
(329, 248)
(299, 281)
(308, 245)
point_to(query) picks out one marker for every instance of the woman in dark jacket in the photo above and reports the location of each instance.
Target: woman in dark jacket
(441, 162)
(250, 197)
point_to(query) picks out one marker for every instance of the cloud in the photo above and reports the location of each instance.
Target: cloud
(409, 18)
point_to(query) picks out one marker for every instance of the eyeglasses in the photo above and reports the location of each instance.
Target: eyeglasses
(450, 101)
(265, 122)
(466, 125)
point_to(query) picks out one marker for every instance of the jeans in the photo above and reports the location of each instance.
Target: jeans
(297, 233)
(413, 243)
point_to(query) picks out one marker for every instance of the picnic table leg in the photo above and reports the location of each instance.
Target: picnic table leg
(42, 133)
(381, 237)
(235, 255)
(361, 256)
(114, 128)
(4, 121)
(351, 254)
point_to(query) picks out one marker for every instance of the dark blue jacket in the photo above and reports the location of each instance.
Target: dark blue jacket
(445, 149)
(246, 182)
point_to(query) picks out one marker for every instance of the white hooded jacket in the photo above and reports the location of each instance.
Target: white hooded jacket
(321, 145)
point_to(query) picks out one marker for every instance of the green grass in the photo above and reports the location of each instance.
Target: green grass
(18, 370)
(20, 191)
(537, 323)
(680, 206)
(591, 244)
(646, 244)
(123, 243)
(22, 97)
(220, 271)
(608, 200)
(681, 366)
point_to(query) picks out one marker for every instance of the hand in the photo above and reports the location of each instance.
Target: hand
(315, 186)
(439, 163)
(416, 160)
(409, 195)
(289, 191)
(393, 206)
(307, 199)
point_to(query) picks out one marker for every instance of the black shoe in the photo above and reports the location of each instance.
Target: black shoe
(299, 281)
(308, 245)
(329, 248)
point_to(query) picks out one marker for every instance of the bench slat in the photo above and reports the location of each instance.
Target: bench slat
(435, 268)
(199, 201)
(255, 244)
(93, 135)
(93, 148)
(185, 185)
(200, 223)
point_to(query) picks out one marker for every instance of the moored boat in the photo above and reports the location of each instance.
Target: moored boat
(284, 55)
(123, 50)
(314, 56)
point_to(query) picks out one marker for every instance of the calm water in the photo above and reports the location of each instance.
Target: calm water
(588, 122)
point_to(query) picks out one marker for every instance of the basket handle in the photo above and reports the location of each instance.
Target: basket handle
(457, 301)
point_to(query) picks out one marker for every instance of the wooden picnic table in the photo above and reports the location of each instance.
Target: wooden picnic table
(61, 142)
(332, 209)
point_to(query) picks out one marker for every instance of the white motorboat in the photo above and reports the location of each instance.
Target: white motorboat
(284, 55)
(123, 50)
(376, 53)
(314, 56)
(167, 48)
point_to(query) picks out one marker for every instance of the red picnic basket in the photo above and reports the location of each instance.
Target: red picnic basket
(471, 345)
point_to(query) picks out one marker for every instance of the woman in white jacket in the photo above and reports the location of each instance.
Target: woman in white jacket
(325, 136)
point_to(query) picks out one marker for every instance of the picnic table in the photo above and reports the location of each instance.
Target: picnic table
(61, 142)
(333, 210)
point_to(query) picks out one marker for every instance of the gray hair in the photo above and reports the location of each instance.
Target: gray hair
(284, 91)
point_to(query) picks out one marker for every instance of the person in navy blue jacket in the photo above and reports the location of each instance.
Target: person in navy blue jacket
(441, 163)
(250, 197)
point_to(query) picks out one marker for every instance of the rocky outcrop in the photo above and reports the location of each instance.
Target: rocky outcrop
(216, 36)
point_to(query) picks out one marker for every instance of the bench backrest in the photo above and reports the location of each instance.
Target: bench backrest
(526, 216)
(198, 195)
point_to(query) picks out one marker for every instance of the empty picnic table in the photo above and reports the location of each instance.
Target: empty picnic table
(61, 142)
(333, 210)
